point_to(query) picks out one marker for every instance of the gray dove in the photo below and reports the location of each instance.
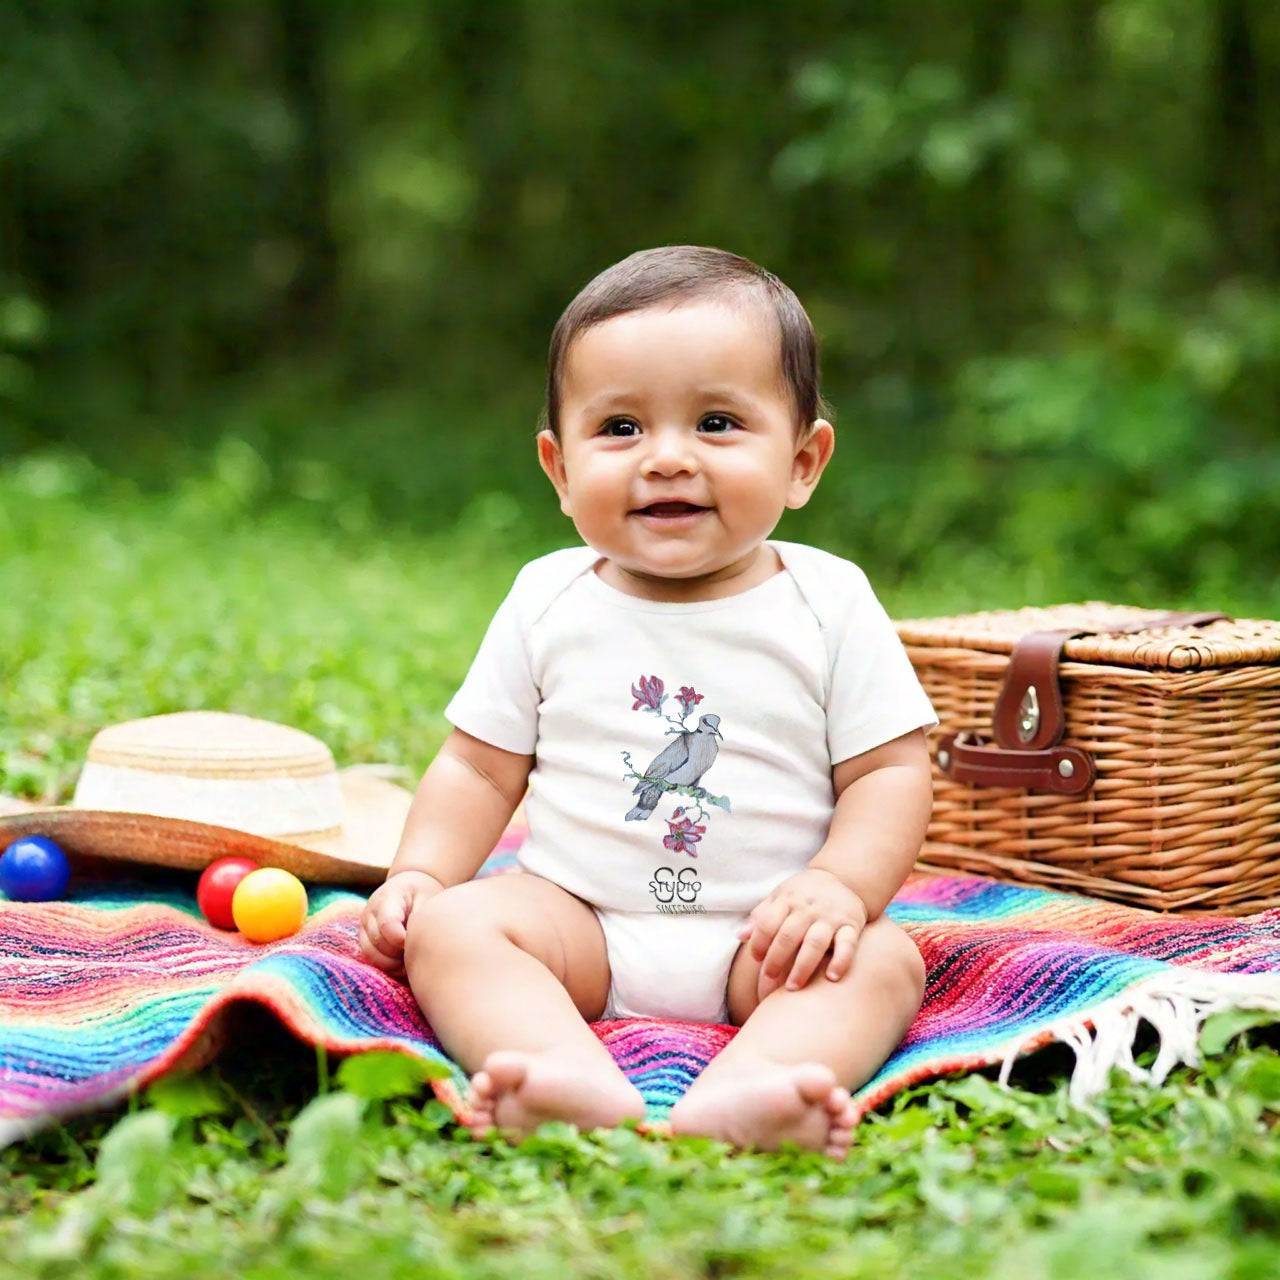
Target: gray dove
(682, 762)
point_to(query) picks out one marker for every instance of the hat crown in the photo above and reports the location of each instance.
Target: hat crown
(219, 768)
(217, 744)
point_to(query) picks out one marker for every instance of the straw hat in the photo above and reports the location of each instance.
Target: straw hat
(181, 790)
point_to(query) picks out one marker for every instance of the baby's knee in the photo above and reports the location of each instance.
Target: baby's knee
(469, 917)
(898, 961)
(441, 925)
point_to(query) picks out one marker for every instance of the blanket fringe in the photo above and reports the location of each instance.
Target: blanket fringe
(1175, 1004)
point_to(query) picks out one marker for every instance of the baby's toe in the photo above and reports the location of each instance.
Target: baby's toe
(837, 1101)
(840, 1139)
(814, 1083)
(505, 1070)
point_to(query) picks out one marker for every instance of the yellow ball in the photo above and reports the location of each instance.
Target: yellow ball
(269, 904)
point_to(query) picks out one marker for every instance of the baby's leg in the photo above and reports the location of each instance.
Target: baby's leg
(785, 1077)
(506, 970)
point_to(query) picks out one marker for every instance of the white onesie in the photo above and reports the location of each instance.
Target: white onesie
(683, 752)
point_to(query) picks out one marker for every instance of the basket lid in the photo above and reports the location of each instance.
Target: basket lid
(1228, 643)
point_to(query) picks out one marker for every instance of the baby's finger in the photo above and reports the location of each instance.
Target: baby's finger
(785, 944)
(765, 985)
(768, 920)
(843, 946)
(390, 921)
(372, 934)
(379, 959)
(812, 949)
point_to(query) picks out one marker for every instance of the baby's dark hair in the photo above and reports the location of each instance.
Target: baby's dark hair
(679, 273)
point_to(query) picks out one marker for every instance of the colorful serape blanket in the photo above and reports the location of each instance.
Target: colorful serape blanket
(123, 982)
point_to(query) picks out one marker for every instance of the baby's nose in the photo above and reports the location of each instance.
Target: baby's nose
(670, 452)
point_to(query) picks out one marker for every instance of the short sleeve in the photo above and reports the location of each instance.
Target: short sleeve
(498, 701)
(874, 695)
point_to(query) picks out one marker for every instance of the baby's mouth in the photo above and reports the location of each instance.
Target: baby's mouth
(670, 510)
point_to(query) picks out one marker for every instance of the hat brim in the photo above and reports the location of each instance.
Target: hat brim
(374, 812)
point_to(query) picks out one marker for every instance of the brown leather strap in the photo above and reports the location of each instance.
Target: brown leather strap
(1029, 714)
(967, 758)
(1029, 720)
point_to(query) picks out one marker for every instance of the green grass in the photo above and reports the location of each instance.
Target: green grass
(270, 1163)
(118, 606)
(956, 1179)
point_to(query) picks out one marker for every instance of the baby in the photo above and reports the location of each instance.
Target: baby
(721, 738)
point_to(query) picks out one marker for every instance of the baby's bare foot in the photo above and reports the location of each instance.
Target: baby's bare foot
(516, 1092)
(767, 1104)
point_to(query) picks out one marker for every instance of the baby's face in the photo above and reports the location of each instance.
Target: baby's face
(678, 450)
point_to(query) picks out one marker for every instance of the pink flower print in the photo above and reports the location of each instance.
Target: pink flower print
(689, 698)
(649, 695)
(684, 835)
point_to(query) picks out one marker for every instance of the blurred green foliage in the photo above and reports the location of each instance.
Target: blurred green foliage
(1040, 240)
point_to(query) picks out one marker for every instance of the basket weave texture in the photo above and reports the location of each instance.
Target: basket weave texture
(1184, 727)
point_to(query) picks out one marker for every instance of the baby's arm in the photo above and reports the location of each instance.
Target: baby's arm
(883, 799)
(461, 808)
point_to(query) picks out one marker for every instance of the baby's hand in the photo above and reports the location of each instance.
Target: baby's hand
(385, 917)
(798, 923)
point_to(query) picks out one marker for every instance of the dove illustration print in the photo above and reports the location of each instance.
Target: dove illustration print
(678, 767)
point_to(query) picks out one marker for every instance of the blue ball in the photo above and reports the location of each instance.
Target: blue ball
(34, 869)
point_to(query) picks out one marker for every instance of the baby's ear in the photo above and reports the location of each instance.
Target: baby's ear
(551, 456)
(813, 452)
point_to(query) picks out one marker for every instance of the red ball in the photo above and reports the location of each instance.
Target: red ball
(217, 887)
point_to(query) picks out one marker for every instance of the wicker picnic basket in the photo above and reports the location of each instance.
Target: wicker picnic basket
(1118, 752)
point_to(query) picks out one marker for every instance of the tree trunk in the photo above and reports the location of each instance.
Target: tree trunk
(1237, 177)
(986, 200)
(311, 300)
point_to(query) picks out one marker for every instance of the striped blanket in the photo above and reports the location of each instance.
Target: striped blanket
(123, 982)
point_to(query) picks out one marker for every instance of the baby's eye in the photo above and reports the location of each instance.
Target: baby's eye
(716, 424)
(620, 428)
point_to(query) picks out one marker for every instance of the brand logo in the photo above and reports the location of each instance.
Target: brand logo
(676, 891)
